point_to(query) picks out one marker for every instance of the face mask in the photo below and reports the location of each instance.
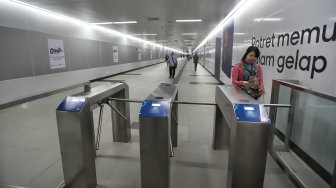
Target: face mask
(249, 61)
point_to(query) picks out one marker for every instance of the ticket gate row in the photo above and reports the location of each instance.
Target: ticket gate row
(241, 125)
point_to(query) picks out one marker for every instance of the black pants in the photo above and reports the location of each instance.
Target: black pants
(195, 63)
(172, 71)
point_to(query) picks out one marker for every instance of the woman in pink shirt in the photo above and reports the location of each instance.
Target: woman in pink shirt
(248, 74)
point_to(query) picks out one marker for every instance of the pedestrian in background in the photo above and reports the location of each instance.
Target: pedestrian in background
(172, 65)
(196, 57)
(167, 58)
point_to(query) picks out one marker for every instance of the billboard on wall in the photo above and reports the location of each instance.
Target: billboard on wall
(227, 48)
(115, 54)
(294, 44)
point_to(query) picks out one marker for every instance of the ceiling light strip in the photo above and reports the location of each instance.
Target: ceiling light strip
(194, 20)
(188, 33)
(86, 24)
(221, 24)
(126, 22)
(102, 23)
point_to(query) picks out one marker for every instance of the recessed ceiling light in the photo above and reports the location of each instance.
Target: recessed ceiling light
(188, 33)
(126, 22)
(195, 20)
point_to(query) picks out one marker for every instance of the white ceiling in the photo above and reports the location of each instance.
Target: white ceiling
(167, 11)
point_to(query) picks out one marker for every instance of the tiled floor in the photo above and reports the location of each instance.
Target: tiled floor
(29, 146)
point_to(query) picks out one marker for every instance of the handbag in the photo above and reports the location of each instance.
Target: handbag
(253, 88)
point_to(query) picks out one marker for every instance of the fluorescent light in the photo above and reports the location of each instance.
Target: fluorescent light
(188, 33)
(145, 34)
(102, 23)
(106, 23)
(221, 24)
(126, 22)
(196, 20)
(267, 19)
(239, 33)
(84, 24)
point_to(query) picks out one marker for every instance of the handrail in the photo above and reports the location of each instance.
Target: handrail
(294, 97)
(41, 95)
(305, 89)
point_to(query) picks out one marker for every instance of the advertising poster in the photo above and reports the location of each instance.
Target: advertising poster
(227, 48)
(115, 54)
(56, 53)
(139, 54)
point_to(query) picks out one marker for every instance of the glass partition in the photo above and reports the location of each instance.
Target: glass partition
(307, 131)
(314, 128)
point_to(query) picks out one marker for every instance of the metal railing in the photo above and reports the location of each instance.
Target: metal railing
(299, 125)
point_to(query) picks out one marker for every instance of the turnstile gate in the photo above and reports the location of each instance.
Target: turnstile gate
(242, 126)
(76, 130)
(158, 136)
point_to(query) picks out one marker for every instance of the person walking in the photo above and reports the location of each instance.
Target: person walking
(172, 65)
(196, 57)
(167, 59)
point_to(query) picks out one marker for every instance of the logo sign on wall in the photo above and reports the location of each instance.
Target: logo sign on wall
(56, 53)
(139, 54)
(115, 54)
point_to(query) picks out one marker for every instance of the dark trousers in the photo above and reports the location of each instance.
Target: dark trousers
(195, 63)
(172, 71)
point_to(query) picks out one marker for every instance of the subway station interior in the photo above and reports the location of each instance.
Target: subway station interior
(88, 97)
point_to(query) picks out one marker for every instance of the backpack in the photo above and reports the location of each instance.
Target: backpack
(254, 82)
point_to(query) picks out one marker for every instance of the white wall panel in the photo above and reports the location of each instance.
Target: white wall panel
(16, 89)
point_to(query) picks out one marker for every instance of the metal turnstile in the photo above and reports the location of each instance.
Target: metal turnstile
(158, 136)
(76, 130)
(242, 126)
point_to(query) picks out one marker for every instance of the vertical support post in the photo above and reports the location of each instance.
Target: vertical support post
(174, 122)
(218, 54)
(221, 133)
(273, 111)
(121, 128)
(204, 57)
(293, 99)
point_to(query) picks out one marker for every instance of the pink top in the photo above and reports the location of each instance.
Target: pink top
(238, 75)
